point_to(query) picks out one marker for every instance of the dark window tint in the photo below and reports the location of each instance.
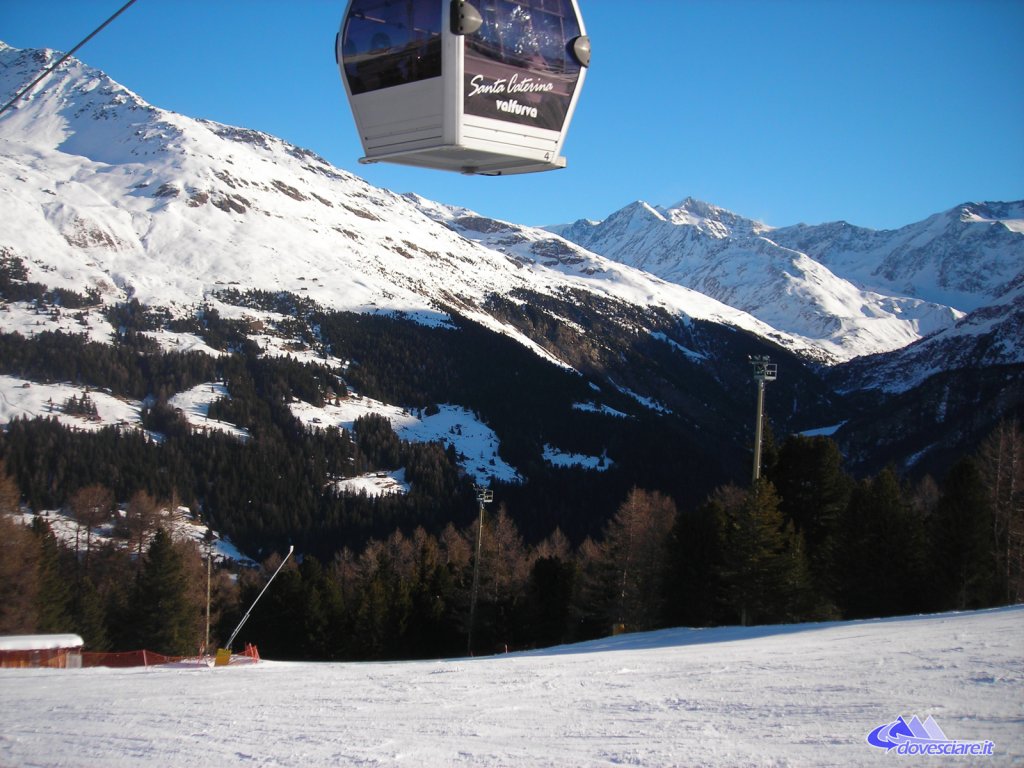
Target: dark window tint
(391, 42)
(531, 34)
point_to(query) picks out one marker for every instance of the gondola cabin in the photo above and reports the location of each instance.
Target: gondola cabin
(487, 87)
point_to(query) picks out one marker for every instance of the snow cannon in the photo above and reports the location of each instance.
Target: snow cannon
(223, 657)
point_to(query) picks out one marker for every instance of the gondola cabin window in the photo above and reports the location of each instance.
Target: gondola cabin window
(519, 65)
(391, 42)
(532, 34)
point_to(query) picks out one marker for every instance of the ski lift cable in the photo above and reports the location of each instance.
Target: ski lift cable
(64, 58)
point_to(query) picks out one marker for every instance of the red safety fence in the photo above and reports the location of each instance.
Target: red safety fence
(126, 659)
(146, 658)
(60, 658)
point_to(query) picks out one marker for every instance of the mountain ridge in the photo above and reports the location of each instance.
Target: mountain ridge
(841, 285)
(169, 184)
(107, 194)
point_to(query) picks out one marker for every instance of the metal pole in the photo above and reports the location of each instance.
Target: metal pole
(209, 560)
(764, 370)
(759, 430)
(246, 617)
(483, 496)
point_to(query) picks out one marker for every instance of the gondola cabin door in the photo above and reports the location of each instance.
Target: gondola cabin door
(485, 87)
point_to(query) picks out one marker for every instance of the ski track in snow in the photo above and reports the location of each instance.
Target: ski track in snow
(800, 695)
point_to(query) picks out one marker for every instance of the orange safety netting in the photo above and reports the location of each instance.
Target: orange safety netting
(126, 659)
(150, 658)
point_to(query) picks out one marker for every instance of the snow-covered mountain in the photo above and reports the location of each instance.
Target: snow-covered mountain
(100, 187)
(854, 291)
(966, 257)
(988, 336)
(104, 194)
(102, 191)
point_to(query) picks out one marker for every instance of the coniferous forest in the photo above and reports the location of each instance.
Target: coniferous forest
(833, 547)
(666, 536)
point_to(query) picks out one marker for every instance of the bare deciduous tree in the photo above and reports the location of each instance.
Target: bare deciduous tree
(18, 578)
(91, 506)
(635, 546)
(10, 494)
(141, 517)
(1001, 459)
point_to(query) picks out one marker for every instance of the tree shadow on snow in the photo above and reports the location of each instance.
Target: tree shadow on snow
(670, 638)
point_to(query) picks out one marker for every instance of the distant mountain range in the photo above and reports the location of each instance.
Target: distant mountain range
(655, 308)
(852, 291)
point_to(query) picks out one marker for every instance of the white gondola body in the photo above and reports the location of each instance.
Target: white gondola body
(462, 102)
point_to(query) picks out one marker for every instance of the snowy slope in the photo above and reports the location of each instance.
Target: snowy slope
(101, 190)
(991, 335)
(179, 522)
(853, 290)
(965, 257)
(537, 250)
(475, 444)
(799, 695)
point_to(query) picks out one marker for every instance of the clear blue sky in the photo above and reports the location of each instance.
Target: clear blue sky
(878, 112)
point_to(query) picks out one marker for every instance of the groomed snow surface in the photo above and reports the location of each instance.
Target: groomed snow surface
(798, 695)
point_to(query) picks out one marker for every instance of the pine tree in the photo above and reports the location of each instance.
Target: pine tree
(321, 611)
(763, 568)
(548, 595)
(882, 555)
(545, 611)
(964, 575)
(106, 622)
(814, 491)
(54, 596)
(593, 592)
(432, 629)
(620, 582)
(166, 618)
(694, 568)
(91, 616)
(383, 604)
